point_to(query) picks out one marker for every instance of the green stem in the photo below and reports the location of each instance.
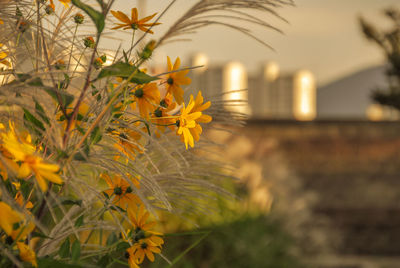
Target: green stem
(79, 60)
(103, 112)
(72, 46)
(37, 35)
(27, 48)
(17, 41)
(132, 40)
(164, 125)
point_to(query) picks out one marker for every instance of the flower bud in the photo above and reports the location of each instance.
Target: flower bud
(60, 64)
(89, 42)
(79, 18)
(103, 58)
(148, 50)
(49, 9)
(98, 63)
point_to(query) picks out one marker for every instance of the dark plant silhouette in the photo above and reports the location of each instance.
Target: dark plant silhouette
(389, 41)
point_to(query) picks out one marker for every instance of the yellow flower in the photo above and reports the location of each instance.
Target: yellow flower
(204, 118)
(146, 242)
(21, 201)
(23, 152)
(145, 247)
(65, 3)
(83, 114)
(128, 143)
(43, 171)
(121, 190)
(187, 121)
(26, 253)
(131, 258)
(138, 217)
(14, 223)
(147, 98)
(3, 57)
(6, 158)
(134, 21)
(6, 161)
(176, 79)
(161, 116)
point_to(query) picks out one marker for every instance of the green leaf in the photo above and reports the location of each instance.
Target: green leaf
(75, 250)
(72, 202)
(101, 2)
(25, 188)
(40, 111)
(96, 136)
(106, 195)
(51, 263)
(125, 70)
(111, 239)
(39, 234)
(33, 120)
(66, 98)
(97, 17)
(125, 56)
(35, 82)
(104, 261)
(27, 78)
(64, 250)
(16, 225)
(84, 154)
(122, 246)
(79, 221)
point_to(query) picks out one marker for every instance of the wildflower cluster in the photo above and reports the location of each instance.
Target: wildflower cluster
(92, 144)
(43, 170)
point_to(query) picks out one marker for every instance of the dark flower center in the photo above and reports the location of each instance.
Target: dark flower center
(129, 190)
(143, 245)
(163, 103)
(9, 240)
(170, 81)
(117, 190)
(122, 135)
(139, 93)
(134, 26)
(158, 112)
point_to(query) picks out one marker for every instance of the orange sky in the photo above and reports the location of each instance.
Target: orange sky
(323, 36)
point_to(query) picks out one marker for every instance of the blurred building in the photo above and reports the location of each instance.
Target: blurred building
(267, 94)
(276, 95)
(272, 94)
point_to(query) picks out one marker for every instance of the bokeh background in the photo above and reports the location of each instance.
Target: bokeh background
(317, 161)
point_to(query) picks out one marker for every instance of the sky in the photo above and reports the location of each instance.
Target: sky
(322, 36)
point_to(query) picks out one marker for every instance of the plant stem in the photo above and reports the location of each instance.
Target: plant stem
(77, 64)
(132, 39)
(37, 35)
(44, 202)
(103, 112)
(82, 95)
(72, 46)
(59, 99)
